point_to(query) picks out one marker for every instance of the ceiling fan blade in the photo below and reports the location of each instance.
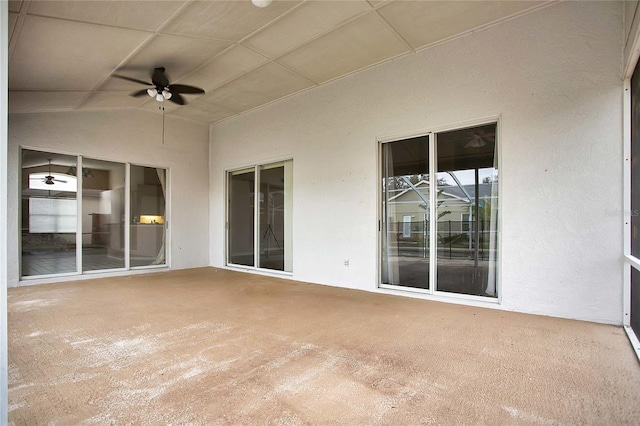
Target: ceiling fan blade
(139, 93)
(135, 80)
(184, 88)
(159, 78)
(178, 99)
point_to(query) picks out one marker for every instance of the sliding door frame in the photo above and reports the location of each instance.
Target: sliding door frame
(432, 291)
(127, 219)
(630, 261)
(256, 168)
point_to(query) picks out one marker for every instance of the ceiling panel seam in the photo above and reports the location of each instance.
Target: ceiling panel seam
(179, 11)
(311, 39)
(482, 27)
(100, 83)
(263, 105)
(13, 41)
(295, 72)
(217, 56)
(273, 21)
(306, 41)
(393, 30)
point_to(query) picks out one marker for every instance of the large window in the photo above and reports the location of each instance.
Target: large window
(440, 190)
(259, 216)
(76, 215)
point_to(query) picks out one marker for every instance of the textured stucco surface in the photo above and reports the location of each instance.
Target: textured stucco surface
(552, 76)
(214, 347)
(124, 136)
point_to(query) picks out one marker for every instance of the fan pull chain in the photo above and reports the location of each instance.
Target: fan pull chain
(162, 107)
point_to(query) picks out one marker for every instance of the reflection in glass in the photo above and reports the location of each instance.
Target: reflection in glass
(467, 208)
(275, 193)
(635, 301)
(49, 214)
(241, 217)
(635, 199)
(405, 213)
(148, 211)
(102, 214)
(271, 217)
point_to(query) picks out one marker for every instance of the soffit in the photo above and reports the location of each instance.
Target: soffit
(63, 54)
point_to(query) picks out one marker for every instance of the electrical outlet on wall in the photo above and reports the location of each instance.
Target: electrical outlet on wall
(346, 262)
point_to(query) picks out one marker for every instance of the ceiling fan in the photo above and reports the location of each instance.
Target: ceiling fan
(479, 138)
(161, 89)
(50, 179)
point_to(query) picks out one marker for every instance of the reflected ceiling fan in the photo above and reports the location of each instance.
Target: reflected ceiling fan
(49, 179)
(478, 138)
(161, 89)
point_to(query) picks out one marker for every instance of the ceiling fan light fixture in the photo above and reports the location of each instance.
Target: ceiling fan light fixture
(261, 3)
(160, 88)
(476, 141)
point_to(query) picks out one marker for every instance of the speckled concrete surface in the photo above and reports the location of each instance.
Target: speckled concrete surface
(208, 346)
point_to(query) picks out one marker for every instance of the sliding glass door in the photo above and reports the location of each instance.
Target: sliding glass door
(259, 216)
(241, 217)
(102, 214)
(451, 177)
(148, 233)
(49, 214)
(62, 236)
(405, 213)
(467, 211)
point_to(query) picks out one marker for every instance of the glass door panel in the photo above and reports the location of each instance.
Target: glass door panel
(405, 213)
(274, 241)
(148, 232)
(241, 217)
(634, 290)
(103, 207)
(467, 206)
(48, 214)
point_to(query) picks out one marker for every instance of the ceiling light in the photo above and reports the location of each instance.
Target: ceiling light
(159, 97)
(261, 3)
(166, 94)
(152, 92)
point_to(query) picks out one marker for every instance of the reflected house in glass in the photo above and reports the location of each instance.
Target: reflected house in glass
(455, 202)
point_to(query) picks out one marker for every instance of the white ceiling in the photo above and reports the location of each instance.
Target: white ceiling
(62, 53)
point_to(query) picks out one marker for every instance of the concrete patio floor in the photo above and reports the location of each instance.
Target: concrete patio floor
(209, 346)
